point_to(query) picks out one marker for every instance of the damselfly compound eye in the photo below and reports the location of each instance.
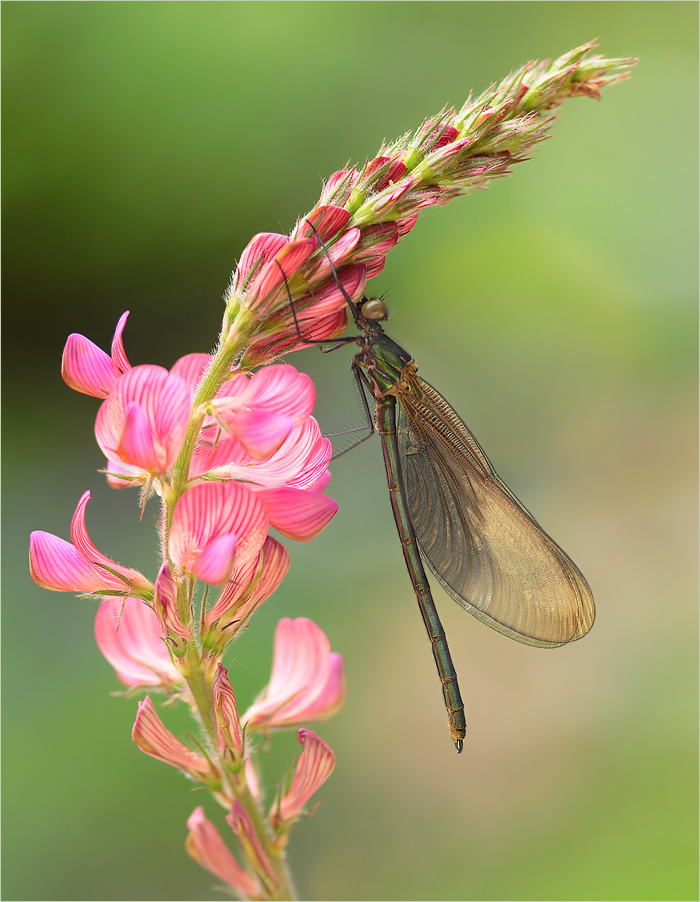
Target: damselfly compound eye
(374, 308)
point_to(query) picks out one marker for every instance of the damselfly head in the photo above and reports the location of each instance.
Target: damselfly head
(373, 309)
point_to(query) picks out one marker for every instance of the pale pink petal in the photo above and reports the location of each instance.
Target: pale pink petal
(136, 445)
(314, 767)
(228, 724)
(86, 368)
(165, 603)
(205, 845)
(261, 432)
(242, 826)
(171, 417)
(307, 681)
(296, 513)
(214, 563)
(152, 737)
(250, 585)
(130, 637)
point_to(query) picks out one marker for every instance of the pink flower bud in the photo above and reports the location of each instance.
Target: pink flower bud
(315, 765)
(243, 827)
(165, 604)
(307, 682)
(228, 724)
(205, 845)
(131, 638)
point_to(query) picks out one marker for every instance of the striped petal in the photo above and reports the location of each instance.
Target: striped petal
(130, 637)
(136, 445)
(214, 563)
(153, 738)
(315, 765)
(296, 513)
(57, 565)
(205, 845)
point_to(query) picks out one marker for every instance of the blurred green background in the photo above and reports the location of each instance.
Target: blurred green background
(144, 144)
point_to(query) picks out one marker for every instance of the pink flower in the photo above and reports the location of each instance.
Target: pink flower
(165, 604)
(79, 567)
(141, 426)
(87, 369)
(217, 526)
(314, 767)
(129, 635)
(307, 682)
(205, 845)
(153, 738)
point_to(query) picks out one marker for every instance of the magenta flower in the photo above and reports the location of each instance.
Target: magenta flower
(153, 738)
(79, 567)
(87, 369)
(314, 767)
(307, 682)
(130, 636)
(205, 845)
(141, 425)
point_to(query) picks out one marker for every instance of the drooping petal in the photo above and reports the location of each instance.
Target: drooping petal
(153, 738)
(205, 845)
(296, 513)
(228, 725)
(314, 767)
(130, 637)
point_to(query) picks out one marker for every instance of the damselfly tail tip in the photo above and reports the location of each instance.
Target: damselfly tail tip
(459, 745)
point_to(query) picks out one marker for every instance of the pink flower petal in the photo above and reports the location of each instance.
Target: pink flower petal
(270, 282)
(261, 248)
(228, 724)
(261, 432)
(119, 360)
(242, 826)
(136, 445)
(298, 514)
(152, 737)
(165, 603)
(205, 845)
(190, 369)
(315, 765)
(209, 510)
(327, 219)
(283, 389)
(130, 637)
(214, 563)
(86, 368)
(250, 585)
(57, 565)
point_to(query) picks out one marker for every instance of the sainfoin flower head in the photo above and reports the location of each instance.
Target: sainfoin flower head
(307, 682)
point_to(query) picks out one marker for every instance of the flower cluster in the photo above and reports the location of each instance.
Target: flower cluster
(230, 450)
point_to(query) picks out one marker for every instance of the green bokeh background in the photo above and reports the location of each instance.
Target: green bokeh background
(144, 144)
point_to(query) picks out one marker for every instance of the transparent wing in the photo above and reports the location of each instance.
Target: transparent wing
(484, 547)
